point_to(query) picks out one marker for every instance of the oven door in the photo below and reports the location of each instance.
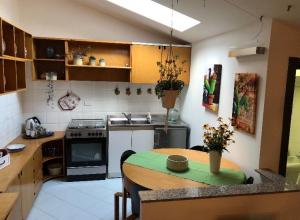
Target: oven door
(86, 152)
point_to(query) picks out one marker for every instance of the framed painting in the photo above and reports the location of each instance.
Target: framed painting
(212, 86)
(245, 102)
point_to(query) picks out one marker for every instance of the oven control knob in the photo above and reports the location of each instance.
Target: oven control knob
(89, 134)
(75, 134)
(71, 134)
(79, 134)
(100, 134)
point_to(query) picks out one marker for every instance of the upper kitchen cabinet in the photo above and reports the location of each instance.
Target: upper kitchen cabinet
(98, 61)
(16, 49)
(49, 58)
(145, 57)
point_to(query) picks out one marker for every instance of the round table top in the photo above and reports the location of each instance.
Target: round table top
(154, 180)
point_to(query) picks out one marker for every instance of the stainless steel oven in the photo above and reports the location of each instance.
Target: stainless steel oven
(86, 150)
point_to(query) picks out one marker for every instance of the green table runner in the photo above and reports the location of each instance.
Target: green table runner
(197, 171)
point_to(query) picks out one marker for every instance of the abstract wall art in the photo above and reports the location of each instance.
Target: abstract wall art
(245, 101)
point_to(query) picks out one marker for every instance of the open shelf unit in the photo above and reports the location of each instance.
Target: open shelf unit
(56, 55)
(15, 50)
(53, 153)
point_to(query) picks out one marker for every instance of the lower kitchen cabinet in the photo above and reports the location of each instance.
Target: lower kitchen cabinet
(142, 140)
(27, 188)
(16, 212)
(120, 141)
(27, 184)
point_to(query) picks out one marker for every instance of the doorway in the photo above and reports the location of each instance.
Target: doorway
(290, 143)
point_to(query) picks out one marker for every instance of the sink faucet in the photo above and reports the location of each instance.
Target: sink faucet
(127, 116)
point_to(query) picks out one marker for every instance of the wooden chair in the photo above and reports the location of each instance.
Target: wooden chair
(125, 194)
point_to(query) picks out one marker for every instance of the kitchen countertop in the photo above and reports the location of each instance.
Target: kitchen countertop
(271, 183)
(7, 201)
(19, 160)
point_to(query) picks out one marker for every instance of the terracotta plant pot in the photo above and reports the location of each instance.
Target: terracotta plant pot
(211, 99)
(169, 98)
(215, 161)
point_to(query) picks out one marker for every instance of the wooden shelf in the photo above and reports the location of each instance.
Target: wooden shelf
(6, 57)
(45, 159)
(101, 67)
(49, 60)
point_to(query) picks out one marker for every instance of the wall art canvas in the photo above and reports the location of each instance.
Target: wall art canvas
(212, 86)
(245, 101)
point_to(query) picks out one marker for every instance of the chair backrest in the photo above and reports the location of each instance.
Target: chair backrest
(199, 148)
(249, 180)
(124, 157)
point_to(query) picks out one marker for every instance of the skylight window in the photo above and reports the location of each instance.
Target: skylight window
(158, 13)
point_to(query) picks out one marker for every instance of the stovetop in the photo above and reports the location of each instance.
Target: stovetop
(86, 128)
(87, 123)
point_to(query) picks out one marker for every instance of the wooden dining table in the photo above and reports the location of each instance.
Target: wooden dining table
(155, 180)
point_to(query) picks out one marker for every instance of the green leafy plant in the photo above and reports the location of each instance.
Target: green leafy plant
(210, 83)
(169, 73)
(218, 138)
(240, 101)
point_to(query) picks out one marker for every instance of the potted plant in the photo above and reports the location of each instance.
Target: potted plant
(210, 85)
(92, 61)
(78, 55)
(216, 140)
(169, 86)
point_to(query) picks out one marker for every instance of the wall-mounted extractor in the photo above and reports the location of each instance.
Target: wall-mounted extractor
(246, 51)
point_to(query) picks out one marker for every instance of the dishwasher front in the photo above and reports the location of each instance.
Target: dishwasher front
(175, 137)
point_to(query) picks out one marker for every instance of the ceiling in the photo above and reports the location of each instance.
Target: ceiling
(216, 16)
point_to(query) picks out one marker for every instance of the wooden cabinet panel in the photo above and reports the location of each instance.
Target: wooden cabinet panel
(16, 212)
(27, 188)
(143, 61)
(38, 171)
(145, 58)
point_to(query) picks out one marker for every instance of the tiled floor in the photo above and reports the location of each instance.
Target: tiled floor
(87, 200)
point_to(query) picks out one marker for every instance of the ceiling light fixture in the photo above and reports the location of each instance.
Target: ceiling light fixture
(158, 13)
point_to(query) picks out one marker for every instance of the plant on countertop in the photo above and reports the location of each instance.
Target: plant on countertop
(218, 138)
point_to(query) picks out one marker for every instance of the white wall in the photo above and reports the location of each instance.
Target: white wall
(205, 54)
(9, 10)
(97, 100)
(69, 19)
(10, 104)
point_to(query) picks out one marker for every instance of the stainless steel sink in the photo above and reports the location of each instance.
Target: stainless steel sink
(119, 122)
(123, 121)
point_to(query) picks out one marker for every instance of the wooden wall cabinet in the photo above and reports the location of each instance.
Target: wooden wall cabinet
(16, 49)
(145, 58)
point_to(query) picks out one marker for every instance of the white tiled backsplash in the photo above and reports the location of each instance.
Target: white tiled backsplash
(97, 100)
(11, 117)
